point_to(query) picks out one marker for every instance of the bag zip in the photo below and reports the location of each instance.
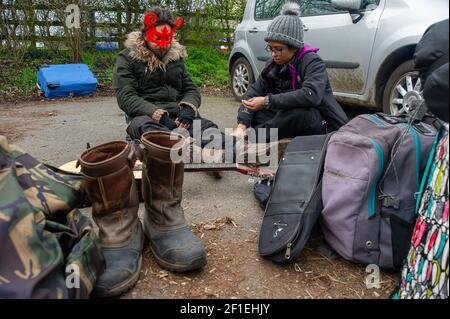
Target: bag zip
(287, 255)
(373, 187)
(427, 171)
(415, 137)
(373, 118)
(287, 248)
(373, 197)
(418, 143)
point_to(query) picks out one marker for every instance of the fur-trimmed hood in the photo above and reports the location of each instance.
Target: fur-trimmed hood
(135, 43)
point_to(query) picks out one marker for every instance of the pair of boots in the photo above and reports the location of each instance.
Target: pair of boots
(243, 152)
(110, 185)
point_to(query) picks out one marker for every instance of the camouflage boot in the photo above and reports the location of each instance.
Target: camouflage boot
(110, 185)
(173, 244)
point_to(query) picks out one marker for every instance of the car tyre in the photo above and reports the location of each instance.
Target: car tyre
(241, 78)
(401, 89)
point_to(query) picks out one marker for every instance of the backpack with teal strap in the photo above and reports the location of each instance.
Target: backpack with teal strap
(372, 176)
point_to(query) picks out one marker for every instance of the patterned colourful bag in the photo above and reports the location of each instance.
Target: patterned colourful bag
(48, 249)
(425, 273)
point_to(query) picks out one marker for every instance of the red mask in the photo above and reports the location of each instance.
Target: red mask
(162, 38)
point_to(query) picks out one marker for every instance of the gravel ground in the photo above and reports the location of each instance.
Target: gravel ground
(222, 212)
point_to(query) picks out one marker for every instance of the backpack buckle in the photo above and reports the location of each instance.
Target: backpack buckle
(391, 202)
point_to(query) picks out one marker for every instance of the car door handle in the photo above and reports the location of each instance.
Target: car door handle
(254, 30)
(305, 28)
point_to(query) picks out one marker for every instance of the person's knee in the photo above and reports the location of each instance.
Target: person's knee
(133, 128)
(314, 123)
(300, 121)
(296, 112)
(140, 120)
(207, 124)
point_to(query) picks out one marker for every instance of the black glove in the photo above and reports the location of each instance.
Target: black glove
(168, 122)
(186, 116)
(245, 116)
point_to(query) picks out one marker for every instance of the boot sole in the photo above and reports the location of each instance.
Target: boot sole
(124, 287)
(196, 264)
(130, 283)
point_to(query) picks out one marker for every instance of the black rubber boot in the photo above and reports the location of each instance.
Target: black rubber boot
(173, 244)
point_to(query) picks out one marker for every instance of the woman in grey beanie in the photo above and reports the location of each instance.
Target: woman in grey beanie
(293, 93)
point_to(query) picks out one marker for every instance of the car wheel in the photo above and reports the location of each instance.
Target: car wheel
(241, 78)
(402, 88)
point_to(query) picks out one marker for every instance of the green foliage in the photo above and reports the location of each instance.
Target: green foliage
(207, 24)
(33, 54)
(20, 79)
(101, 64)
(24, 81)
(207, 67)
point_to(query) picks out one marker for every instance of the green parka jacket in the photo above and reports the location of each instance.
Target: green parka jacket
(144, 83)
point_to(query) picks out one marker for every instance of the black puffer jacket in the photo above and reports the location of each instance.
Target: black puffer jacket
(431, 59)
(302, 83)
(435, 93)
(432, 50)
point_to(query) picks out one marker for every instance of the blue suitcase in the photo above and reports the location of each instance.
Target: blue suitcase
(62, 80)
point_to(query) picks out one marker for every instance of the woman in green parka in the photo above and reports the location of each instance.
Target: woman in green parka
(152, 85)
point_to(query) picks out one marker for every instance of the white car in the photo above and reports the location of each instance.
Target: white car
(368, 46)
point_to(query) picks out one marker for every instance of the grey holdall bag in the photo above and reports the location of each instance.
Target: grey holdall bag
(372, 174)
(295, 202)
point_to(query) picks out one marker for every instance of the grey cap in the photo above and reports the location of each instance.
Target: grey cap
(287, 28)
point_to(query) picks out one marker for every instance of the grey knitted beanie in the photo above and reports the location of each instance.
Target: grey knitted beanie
(287, 28)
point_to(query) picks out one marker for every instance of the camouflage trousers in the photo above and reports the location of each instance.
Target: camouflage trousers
(48, 249)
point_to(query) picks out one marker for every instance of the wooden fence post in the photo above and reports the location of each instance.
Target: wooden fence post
(120, 34)
(30, 21)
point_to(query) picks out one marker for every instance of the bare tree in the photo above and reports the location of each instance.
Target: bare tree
(25, 23)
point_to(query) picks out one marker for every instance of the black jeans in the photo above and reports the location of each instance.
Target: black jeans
(290, 123)
(143, 124)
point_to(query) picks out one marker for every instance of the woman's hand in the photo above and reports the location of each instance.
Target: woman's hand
(255, 103)
(182, 125)
(158, 114)
(185, 118)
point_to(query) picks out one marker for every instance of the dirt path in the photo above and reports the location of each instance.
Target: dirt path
(223, 213)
